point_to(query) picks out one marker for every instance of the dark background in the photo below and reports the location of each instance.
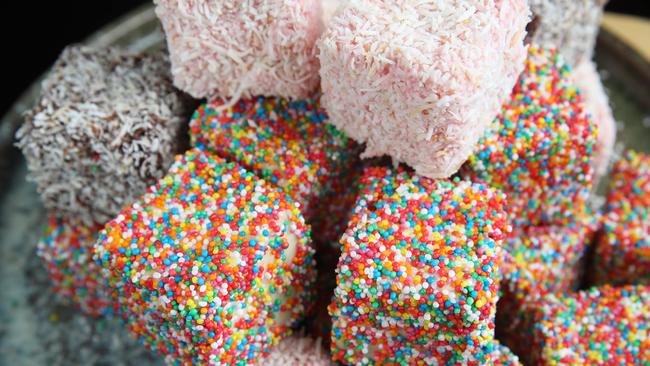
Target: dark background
(34, 32)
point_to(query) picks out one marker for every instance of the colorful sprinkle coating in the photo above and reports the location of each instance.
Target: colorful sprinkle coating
(601, 326)
(597, 104)
(417, 279)
(289, 144)
(211, 266)
(503, 356)
(539, 151)
(622, 254)
(539, 260)
(547, 258)
(66, 248)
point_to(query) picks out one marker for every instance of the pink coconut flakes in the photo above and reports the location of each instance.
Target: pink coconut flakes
(421, 81)
(298, 351)
(241, 48)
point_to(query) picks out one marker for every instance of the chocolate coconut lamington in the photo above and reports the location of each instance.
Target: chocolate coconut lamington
(107, 124)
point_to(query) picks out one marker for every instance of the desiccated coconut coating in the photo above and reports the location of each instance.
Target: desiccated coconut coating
(106, 126)
(298, 351)
(417, 279)
(539, 260)
(289, 144)
(601, 326)
(622, 254)
(596, 103)
(540, 150)
(421, 81)
(211, 266)
(570, 25)
(242, 48)
(67, 250)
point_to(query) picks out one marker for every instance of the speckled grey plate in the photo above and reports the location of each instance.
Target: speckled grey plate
(35, 329)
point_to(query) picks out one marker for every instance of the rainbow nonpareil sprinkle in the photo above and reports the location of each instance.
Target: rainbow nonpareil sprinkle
(539, 151)
(503, 356)
(211, 266)
(67, 250)
(417, 279)
(602, 326)
(539, 260)
(289, 144)
(622, 254)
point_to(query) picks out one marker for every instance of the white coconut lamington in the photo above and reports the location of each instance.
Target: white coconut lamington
(569, 25)
(107, 124)
(421, 81)
(244, 48)
(596, 104)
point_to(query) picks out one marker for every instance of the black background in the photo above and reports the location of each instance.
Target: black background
(34, 32)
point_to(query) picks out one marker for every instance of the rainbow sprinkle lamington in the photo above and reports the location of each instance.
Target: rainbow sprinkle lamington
(548, 258)
(601, 326)
(540, 150)
(289, 144)
(593, 93)
(539, 260)
(622, 254)
(211, 266)
(417, 279)
(66, 249)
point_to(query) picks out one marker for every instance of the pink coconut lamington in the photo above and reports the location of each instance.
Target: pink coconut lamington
(298, 351)
(596, 104)
(243, 48)
(421, 81)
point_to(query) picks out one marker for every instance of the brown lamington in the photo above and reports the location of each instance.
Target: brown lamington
(107, 125)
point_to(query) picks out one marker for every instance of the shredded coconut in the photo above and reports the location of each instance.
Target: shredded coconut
(421, 80)
(298, 351)
(569, 25)
(106, 126)
(243, 48)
